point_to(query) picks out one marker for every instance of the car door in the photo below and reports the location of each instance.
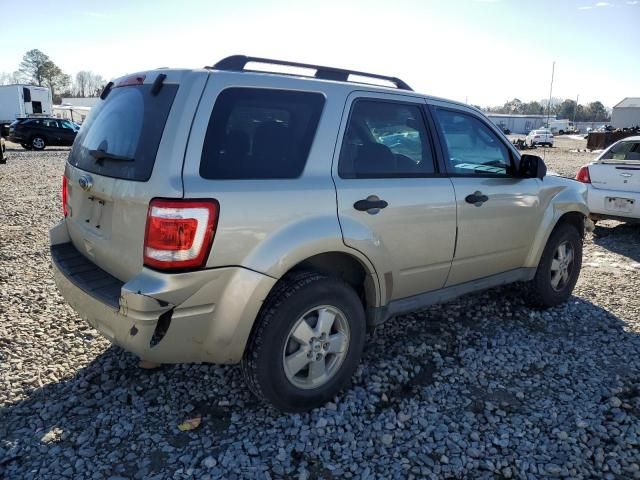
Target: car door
(394, 204)
(52, 131)
(498, 212)
(67, 132)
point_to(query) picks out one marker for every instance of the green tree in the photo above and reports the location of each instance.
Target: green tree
(597, 112)
(33, 66)
(567, 109)
(37, 68)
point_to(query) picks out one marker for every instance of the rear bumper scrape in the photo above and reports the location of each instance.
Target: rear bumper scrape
(200, 316)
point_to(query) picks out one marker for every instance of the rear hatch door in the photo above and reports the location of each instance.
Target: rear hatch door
(129, 150)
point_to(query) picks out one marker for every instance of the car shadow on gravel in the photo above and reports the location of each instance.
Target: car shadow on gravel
(621, 238)
(485, 369)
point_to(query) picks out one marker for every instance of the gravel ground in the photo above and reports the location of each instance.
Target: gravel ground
(482, 387)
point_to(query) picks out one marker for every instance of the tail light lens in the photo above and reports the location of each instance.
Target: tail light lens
(583, 175)
(65, 195)
(179, 233)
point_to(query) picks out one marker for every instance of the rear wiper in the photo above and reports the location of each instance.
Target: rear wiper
(101, 155)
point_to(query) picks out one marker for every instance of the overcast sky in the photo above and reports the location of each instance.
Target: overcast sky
(483, 51)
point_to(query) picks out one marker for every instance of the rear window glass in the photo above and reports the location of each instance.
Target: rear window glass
(623, 151)
(260, 133)
(121, 135)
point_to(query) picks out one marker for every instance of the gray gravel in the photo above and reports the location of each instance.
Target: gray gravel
(479, 388)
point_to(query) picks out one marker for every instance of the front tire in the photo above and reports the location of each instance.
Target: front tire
(307, 342)
(558, 269)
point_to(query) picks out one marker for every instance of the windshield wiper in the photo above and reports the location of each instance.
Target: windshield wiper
(101, 155)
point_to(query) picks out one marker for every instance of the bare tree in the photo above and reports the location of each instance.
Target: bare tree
(82, 82)
(7, 78)
(88, 84)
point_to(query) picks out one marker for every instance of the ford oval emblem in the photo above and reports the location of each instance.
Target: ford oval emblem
(85, 182)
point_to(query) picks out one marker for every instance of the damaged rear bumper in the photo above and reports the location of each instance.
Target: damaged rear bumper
(200, 316)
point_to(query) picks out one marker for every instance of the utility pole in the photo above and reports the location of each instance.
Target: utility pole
(553, 68)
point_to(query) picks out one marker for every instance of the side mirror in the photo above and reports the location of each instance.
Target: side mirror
(532, 166)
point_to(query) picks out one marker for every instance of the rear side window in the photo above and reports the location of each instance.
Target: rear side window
(385, 139)
(121, 135)
(260, 134)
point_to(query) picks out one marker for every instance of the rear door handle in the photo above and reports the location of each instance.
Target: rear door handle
(372, 204)
(476, 198)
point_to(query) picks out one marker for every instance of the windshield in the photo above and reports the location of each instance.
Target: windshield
(128, 124)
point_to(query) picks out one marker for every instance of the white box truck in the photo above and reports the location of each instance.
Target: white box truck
(560, 127)
(19, 101)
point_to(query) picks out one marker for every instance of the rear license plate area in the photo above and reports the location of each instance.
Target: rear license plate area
(618, 204)
(94, 213)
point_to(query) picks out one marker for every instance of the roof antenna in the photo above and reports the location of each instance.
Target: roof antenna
(553, 68)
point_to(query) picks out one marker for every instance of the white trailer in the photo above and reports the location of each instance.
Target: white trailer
(19, 101)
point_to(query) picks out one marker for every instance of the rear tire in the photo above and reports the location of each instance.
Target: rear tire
(38, 143)
(557, 274)
(306, 343)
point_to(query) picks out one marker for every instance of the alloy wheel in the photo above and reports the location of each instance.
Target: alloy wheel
(316, 347)
(562, 266)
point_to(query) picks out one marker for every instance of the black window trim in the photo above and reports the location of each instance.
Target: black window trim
(428, 125)
(445, 151)
(277, 89)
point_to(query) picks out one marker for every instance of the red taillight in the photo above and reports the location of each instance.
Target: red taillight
(583, 175)
(135, 80)
(65, 195)
(179, 233)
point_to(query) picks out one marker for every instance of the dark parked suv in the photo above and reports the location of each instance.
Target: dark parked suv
(38, 133)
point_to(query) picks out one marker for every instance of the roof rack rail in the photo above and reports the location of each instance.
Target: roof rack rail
(238, 63)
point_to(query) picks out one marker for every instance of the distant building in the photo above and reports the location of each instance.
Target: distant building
(626, 113)
(75, 114)
(75, 109)
(522, 124)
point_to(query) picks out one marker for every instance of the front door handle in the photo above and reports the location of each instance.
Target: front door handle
(372, 204)
(476, 198)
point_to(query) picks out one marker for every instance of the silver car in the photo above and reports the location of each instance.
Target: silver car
(231, 216)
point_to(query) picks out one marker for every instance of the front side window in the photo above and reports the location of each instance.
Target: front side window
(472, 147)
(260, 134)
(385, 139)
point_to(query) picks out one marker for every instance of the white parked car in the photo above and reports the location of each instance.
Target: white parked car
(540, 137)
(613, 182)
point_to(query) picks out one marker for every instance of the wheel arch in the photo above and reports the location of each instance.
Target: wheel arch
(573, 211)
(347, 267)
